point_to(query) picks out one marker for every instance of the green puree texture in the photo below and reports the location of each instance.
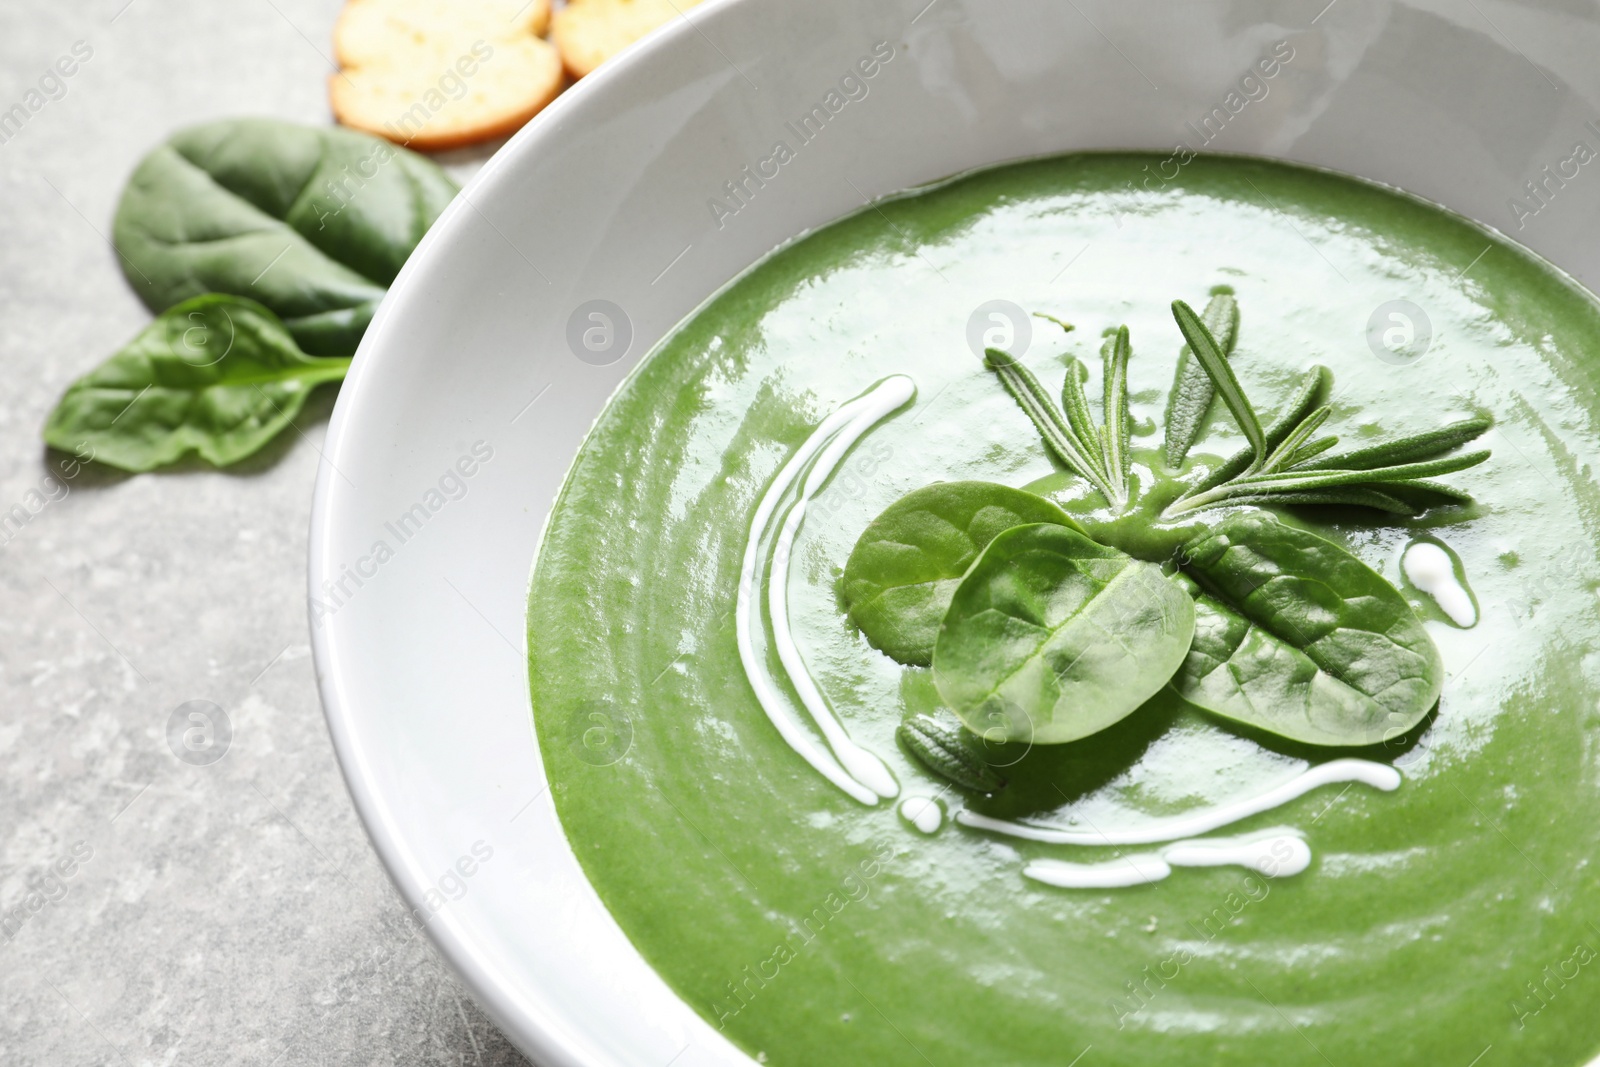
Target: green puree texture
(1459, 913)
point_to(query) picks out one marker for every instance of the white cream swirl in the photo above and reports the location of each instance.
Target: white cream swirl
(850, 767)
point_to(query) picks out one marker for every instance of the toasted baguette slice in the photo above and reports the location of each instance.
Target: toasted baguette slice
(438, 74)
(589, 32)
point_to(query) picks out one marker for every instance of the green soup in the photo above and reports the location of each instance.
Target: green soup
(1453, 917)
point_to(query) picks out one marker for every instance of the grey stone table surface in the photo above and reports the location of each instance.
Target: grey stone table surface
(222, 914)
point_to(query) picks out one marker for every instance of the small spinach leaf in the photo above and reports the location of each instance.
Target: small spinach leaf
(907, 563)
(1297, 637)
(215, 375)
(1051, 637)
(314, 223)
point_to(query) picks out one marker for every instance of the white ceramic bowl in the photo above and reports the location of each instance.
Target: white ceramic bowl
(606, 196)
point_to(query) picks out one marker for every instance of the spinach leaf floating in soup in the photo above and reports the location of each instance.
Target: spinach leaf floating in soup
(1295, 636)
(902, 572)
(1051, 637)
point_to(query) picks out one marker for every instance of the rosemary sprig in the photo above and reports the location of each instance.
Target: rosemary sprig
(1285, 454)
(1075, 404)
(1405, 449)
(1313, 394)
(1280, 484)
(1349, 496)
(1192, 391)
(1315, 448)
(1209, 355)
(1283, 465)
(1426, 494)
(1408, 498)
(1079, 455)
(1066, 326)
(1099, 454)
(1117, 425)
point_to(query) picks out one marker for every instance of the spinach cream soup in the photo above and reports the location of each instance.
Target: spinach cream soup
(1051, 614)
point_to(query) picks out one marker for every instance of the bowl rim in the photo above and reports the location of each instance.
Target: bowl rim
(532, 1027)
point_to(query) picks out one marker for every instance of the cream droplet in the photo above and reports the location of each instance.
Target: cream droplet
(922, 812)
(1432, 570)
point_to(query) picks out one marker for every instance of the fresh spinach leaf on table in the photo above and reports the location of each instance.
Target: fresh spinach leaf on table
(314, 223)
(1295, 636)
(1051, 637)
(216, 375)
(904, 568)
